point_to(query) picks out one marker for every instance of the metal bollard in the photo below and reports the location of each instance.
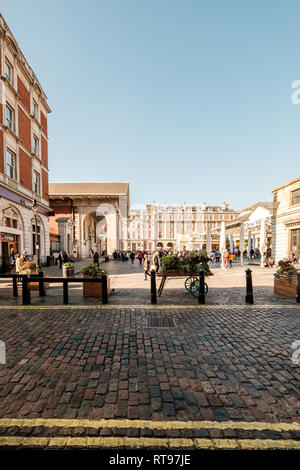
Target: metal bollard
(201, 294)
(65, 292)
(25, 291)
(42, 291)
(153, 288)
(104, 289)
(249, 287)
(15, 286)
(298, 288)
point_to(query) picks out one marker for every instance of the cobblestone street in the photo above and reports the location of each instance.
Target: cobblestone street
(222, 373)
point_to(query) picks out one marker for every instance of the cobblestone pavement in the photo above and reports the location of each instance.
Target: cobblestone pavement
(225, 374)
(130, 288)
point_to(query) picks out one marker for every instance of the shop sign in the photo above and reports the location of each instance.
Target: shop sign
(7, 237)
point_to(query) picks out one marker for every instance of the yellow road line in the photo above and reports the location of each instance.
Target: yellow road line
(144, 442)
(144, 307)
(140, 424)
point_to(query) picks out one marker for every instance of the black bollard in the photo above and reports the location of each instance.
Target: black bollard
(15, 286)
(25, 291)
(104, 289)
(201, 294)
(66, 294)
(249, 287)
(298, 288)
(42, 291)
(153, 288)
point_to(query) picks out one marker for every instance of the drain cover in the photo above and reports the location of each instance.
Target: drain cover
(159, 322)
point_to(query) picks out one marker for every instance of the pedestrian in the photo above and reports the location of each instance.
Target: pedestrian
(156, 261)
(231, 257)
(251, 253)
(146, 266)
(96, 259)
(18, 264)
(65, 257)
(60, 259)
(132, 257)
(226, 258)
(217, 256)
(140, 257)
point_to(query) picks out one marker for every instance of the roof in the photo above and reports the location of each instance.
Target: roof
(88, 189)
(286, 184)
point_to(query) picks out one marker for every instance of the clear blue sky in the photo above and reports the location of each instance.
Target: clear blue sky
(187, 100)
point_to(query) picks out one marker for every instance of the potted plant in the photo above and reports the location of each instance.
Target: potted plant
(68, 270)
(33, 271)
(94, 289)
(285, 279)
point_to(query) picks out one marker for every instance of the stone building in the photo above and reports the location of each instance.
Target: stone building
(175, 227)
(23, 155)
(88, 216)
(286, 220)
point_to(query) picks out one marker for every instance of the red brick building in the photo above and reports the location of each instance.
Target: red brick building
(23, 155)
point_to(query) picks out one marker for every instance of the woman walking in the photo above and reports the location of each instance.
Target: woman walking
(146, 266)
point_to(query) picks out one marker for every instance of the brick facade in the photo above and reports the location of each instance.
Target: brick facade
(24, 129)
(25, 169)
(45, 184)
(24, 94)
(44, 123)
(1, 153)
(44, 151)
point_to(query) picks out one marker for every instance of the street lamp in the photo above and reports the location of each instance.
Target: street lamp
(35, 210)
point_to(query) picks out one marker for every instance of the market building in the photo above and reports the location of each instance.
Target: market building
(251, 230)
(175, 227)
(24, 206)
(88, 216)
(286, 220)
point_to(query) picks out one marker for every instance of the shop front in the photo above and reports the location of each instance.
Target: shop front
(10, 245)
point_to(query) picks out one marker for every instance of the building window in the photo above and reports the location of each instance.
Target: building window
(9, 115)
(35, 111)
(35, 146)
(36, 182)
(11, 165)
(9, 72)
(296, 197)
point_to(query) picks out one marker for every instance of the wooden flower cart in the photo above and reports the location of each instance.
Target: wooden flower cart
(191, 283)
(286, 286)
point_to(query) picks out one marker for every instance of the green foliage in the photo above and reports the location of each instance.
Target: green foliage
(92, 270)
(169, 263)
(286, 269)
(30, 267)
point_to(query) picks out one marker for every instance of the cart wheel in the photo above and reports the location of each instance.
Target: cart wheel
(194, 290)
(189, 281)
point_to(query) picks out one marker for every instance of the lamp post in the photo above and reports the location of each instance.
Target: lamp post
(37, 247)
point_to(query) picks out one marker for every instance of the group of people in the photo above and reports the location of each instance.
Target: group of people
(124, 256)
(19, 261)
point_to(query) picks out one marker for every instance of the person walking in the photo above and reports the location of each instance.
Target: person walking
(18, 264)
(146, 266)
(96, 259)
(132, 257)
(226, 258)
(217, 256)
(140, 257)
(231, 257)
(60, 259)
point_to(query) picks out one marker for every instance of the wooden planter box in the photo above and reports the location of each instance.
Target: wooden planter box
(35, 285)
(286, 287)
(94, 289)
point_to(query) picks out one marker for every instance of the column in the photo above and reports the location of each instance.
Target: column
(208, 240)
(262, 247)
(249, 242)
(253, 242)
(242, 242)
(222, 242)
(231, 243)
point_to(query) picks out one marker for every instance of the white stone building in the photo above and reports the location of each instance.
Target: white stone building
(175, 227)
(286, 220)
